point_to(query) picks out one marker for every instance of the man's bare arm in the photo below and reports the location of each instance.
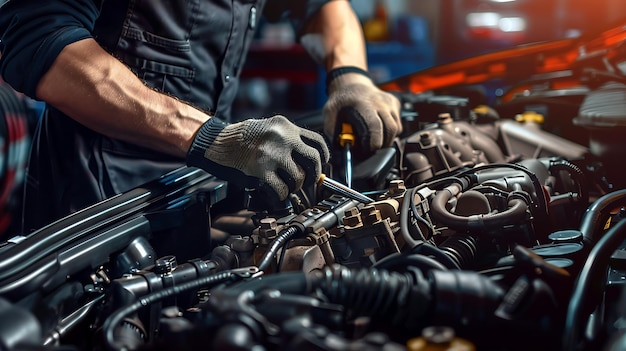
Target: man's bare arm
(334, 37)
(101, 93)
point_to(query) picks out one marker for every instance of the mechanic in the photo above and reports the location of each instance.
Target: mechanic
(138, 88)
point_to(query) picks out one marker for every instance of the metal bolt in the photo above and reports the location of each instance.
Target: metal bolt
(370, 215)
(396, 187)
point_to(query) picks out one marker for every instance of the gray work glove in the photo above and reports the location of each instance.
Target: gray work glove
(373, 114)
(260, 153)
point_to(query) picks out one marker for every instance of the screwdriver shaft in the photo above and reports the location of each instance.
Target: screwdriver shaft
(348, 164)
(341, 189)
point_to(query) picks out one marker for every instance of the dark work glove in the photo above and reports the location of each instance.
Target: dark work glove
(254, 153)
(373, 114)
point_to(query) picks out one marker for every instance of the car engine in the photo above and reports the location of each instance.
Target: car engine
(486, 226)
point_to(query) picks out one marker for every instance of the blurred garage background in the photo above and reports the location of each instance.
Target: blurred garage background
(405, 36)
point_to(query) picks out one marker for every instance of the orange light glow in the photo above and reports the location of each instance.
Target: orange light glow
(516, 64)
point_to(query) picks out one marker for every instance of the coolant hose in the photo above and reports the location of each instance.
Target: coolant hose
(411, 300)
(462, 248)
(597, 214)
(515, 213)
(401, 299)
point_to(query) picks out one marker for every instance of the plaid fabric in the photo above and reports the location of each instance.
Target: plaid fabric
(16, 117)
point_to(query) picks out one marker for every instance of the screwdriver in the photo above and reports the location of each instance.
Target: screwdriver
(341, 189)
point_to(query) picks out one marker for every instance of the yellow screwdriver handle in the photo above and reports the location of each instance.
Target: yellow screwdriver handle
(347, 134)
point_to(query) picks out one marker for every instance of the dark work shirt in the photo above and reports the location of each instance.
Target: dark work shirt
(191, 49)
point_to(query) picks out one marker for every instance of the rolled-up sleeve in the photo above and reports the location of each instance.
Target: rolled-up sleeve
(33, 34)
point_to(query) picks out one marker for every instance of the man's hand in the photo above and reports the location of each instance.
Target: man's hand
(260, 152)
(374, 114)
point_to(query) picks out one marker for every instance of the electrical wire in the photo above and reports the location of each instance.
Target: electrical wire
(419, 218)
(405, 221)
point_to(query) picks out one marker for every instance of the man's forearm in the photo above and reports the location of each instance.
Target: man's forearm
(334, 37)
(100, 92)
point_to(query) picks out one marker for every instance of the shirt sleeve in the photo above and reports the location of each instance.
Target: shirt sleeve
(33, 34)
(296, 12)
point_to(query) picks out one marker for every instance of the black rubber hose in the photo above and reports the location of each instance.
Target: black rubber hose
(281, 239)
(411, 300)
(595, 217)
(441, 256)
(116, 318)
(462, 249)
(590, 283)
(397, 297)
(409, 204)
(533, 177)
(515, 213)
(398, 260)
(578, 176)
(400, 299)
